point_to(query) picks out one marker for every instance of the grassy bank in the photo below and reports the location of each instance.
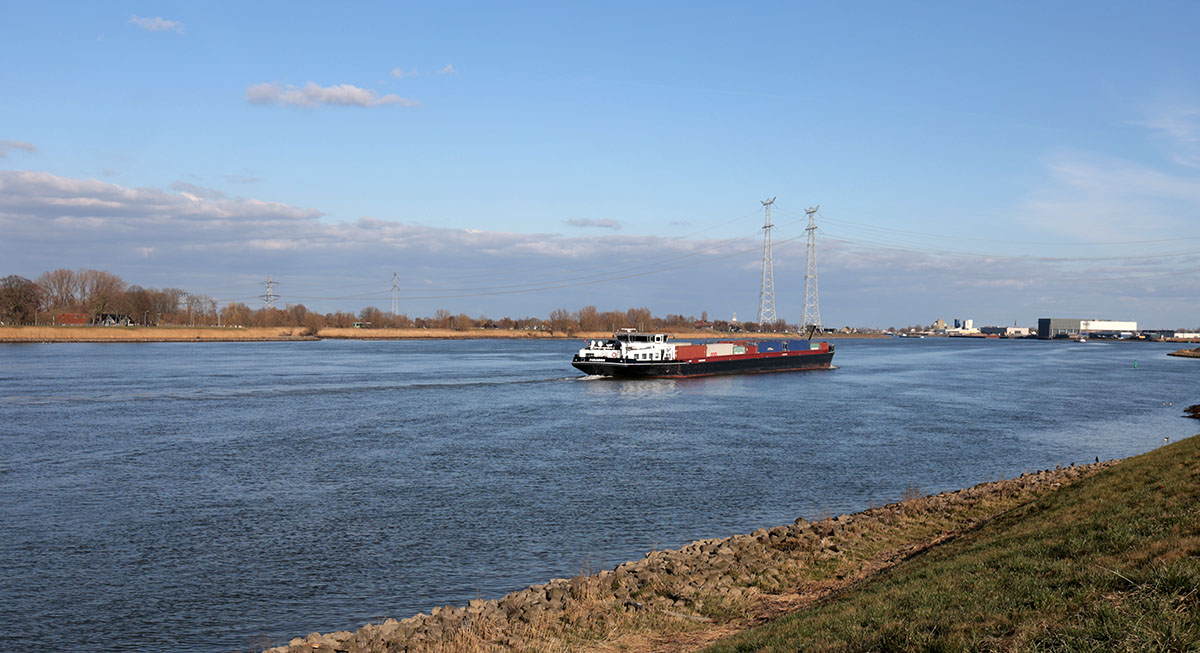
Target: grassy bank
(1110, 563)
(148, 334)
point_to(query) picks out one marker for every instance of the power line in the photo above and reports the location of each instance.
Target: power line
(564, 285)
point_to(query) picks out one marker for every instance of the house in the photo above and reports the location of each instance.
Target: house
(113, 319)
(72, 319)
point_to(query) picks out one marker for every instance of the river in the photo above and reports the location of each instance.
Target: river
(216, 496)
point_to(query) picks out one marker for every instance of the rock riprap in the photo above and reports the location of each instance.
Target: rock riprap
(700, 585)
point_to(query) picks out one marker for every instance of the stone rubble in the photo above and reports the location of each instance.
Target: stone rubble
(692, 581)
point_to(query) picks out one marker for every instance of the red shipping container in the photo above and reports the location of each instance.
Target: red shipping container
(686, 352)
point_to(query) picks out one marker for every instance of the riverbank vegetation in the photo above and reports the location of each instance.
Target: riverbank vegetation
(90, 297)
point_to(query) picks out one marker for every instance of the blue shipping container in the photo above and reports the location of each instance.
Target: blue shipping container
(770, 345)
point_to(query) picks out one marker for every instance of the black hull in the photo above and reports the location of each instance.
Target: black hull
(682, 369)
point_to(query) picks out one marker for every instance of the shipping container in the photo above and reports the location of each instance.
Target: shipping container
(751, 348)
(719, 349)
(738, 350)
(770, 345)
(688, 352)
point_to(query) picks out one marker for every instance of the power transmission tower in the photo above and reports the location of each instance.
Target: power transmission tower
(270, 297)
(395, 294)
(766, 296)
(812, 309)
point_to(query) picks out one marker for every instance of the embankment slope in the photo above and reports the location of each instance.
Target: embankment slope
(1057, 553)
(1110, 563)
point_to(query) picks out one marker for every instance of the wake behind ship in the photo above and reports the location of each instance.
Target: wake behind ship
(653, 356)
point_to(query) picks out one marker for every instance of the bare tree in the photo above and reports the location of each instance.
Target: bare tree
(640, 318)
(99, 291)
(61, 288)
(589, 319)
(20, 300)
(560, 320)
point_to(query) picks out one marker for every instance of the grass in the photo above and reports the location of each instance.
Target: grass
(145, 334)
(1111, 562)
(192, 334)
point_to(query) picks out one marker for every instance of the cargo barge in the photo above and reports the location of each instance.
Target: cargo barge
(653, 356)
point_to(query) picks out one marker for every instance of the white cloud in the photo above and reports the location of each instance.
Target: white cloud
(1178, 127)
(192, 190)
(597, 224)
(49, 221)
(1099, 198)
(28, 198)
(312, 95)
(5, 146)
(157, 24)
(448, 69)
(401, 74)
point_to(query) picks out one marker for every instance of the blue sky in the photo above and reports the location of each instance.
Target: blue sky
(1001, 162)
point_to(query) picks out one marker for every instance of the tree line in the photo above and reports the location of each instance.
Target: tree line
(95, 293)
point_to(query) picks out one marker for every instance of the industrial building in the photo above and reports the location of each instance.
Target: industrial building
(1005, 331)
(1061, 327)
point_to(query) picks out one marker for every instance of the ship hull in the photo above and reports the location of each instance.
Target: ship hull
(748, 364)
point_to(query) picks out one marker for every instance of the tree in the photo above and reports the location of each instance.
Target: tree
(560, 320)
(640, 318)
(371, 314)
(140, 304)
(99, 291)
(20, 300)
(61, 289)
(590, 320)
(236, 314)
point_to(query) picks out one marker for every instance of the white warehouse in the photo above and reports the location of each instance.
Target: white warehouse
(1058, 327)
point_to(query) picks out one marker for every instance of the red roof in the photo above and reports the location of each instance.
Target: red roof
(72, 319)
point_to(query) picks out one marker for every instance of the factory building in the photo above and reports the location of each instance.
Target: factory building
(1059, 327)
(1006, 331)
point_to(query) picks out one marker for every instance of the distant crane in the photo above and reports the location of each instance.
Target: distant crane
(766, 295)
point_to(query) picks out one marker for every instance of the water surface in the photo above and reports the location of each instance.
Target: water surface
(203, 497)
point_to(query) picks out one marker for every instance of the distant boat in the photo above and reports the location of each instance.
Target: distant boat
(1082, 339)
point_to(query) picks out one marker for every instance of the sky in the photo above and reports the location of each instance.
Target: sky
(994, 161)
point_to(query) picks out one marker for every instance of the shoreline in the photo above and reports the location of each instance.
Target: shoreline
(94, 334)
(1186, 353)
(686, 598)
